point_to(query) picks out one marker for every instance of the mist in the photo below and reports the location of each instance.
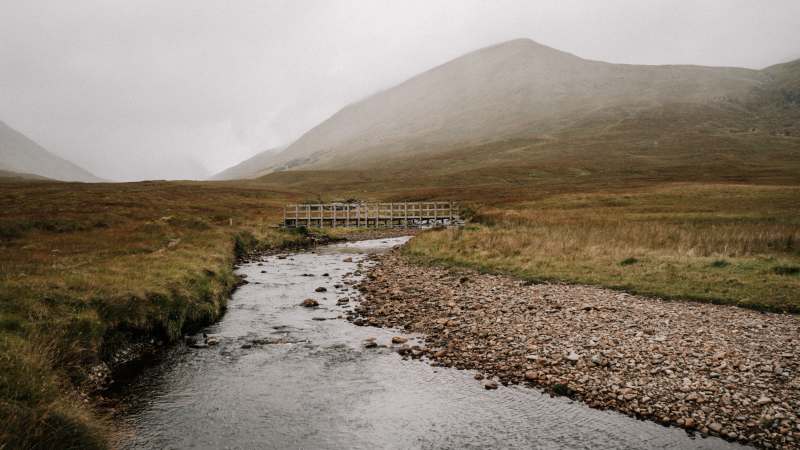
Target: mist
(183, 90)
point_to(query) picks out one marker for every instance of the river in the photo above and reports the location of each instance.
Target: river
(324, 389)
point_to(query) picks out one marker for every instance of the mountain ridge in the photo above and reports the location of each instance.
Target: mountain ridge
(508, 90)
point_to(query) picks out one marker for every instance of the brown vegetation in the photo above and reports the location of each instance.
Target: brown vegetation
(87, 268)
(727, 244)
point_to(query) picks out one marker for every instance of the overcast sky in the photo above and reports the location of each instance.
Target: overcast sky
(184, 89)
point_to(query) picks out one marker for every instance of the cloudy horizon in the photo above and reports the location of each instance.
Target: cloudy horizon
(183, 90)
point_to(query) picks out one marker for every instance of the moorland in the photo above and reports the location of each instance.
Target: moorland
(694, 199)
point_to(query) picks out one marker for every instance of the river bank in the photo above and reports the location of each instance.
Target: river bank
(280, 375)
(720, 370)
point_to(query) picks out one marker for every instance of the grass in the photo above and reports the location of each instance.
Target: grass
(86, 267)
(737, 245)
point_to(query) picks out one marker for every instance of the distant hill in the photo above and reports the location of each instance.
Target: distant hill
(511, 90)
(250, 168)
(8, 175)
(20, 154)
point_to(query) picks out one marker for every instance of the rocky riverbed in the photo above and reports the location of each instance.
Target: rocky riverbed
(314, 241)
(720, 370)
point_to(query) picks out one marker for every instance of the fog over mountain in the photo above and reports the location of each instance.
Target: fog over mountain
(20, 157)
(185, 89)
(509, 90)
(249, 168)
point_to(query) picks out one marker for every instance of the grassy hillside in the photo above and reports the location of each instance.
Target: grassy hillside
(516, 89)
(249, 168)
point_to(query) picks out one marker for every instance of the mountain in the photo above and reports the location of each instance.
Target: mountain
(250, 168)
(20, 154)
(8, 175)
(511, 90)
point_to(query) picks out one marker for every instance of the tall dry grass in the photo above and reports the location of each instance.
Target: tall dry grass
(546, 232)
(87, 269)
(727, 245)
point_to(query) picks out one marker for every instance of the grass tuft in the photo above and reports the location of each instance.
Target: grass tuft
(628, 261)
(785, 270)
(561, 389)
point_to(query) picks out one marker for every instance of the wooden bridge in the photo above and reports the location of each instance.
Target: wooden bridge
(408, 214)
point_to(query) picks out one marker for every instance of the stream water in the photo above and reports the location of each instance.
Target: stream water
(324, 389)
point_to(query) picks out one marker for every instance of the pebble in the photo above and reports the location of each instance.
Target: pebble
(687, 364)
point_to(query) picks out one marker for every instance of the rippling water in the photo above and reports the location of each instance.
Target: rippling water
(325, 390)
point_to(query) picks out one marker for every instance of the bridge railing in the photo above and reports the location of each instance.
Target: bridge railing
(406, 214)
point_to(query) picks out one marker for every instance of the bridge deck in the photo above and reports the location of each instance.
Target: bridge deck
(406, 214)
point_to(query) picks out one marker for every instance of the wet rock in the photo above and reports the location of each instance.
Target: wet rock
(347, 260)
(398, 340)
(479, 376)
(491, 385)
(211, 341)
(321, 289)
(370, 345)
(358, 322)
(642, 356)
(309, 303)
(247, 346)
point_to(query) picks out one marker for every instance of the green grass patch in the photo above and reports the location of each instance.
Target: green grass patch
(785, 270)
(561, 389)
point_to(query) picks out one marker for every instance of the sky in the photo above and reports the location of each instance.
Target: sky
(143, 90)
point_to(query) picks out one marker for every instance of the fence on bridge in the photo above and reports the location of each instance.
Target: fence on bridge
(406, 214)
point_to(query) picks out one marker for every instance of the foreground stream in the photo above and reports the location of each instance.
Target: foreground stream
(324, 389)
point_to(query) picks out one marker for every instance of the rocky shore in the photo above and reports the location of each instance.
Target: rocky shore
(716, 370)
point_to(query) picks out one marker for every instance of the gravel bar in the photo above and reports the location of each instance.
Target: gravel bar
(718, 370)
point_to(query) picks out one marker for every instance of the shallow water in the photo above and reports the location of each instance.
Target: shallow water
(323, 389)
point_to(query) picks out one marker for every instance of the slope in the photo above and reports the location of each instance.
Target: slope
(20, 154)
(249, 168)
(512, 89)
